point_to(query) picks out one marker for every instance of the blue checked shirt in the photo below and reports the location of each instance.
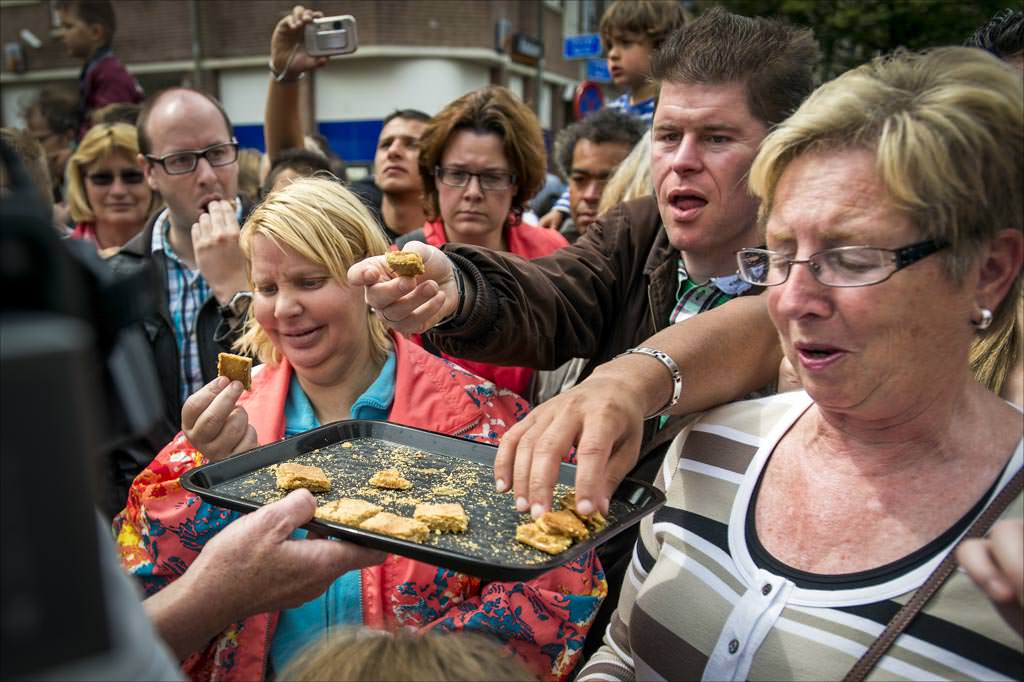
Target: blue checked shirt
(693, 299)
(186, 293)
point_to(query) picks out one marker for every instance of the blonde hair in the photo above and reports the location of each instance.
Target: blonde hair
(356, 654)
(997, 352)
(100, 142)
(325, 224)
(632, 179)
(947, 129)
(249, 173)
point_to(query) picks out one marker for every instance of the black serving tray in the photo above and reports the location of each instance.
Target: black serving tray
(441, 468)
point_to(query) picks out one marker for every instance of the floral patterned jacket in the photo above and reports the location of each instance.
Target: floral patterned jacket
(545, 620)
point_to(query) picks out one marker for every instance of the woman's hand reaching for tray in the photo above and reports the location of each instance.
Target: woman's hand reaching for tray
(600, 417)
(214, 423)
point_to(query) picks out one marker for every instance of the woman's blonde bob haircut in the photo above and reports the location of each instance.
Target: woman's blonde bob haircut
(325, 224)
(100, 142)
(947, 129)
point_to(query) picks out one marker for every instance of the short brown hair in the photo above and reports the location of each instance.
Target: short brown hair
(33, 158)
(93, 12)
(655, 19)
(116, 112)
(361, 654)
(58, 107)
(492, 109)
(772, 58)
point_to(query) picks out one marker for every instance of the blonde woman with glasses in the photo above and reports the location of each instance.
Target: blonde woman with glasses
(798, 526)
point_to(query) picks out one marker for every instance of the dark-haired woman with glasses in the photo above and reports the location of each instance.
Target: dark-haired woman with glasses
(107, 193)
(482, 159)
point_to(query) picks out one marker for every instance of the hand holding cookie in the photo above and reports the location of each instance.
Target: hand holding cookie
(214, 423)
(410, 290)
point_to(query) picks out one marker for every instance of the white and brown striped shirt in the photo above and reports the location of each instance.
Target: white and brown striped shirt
(703, 600)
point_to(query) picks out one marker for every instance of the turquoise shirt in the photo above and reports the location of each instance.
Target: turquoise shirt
(341, 605)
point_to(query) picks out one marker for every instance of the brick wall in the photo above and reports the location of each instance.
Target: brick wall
(153, 31)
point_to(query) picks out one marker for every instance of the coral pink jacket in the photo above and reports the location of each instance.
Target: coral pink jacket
(163, 527)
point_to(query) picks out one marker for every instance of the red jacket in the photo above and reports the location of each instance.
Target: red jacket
(527, 241)
(545, 620)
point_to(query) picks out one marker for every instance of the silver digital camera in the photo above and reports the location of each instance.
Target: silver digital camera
(331, 36)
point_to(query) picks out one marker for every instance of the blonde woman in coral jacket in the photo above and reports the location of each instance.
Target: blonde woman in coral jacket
(327, 357)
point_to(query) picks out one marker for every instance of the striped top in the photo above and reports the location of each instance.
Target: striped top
(696, 603)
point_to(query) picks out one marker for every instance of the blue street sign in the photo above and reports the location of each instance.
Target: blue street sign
(597, 70)
(582, 46)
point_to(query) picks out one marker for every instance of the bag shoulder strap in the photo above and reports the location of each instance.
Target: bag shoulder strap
(905, 615)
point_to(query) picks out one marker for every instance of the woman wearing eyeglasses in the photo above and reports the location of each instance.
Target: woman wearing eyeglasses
(482, 159)
(107, 194)
(798, 525)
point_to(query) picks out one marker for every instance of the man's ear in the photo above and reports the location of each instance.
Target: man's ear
(1001, 262)
(147, 171)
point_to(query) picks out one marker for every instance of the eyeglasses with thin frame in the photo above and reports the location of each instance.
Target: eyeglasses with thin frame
(492, 181)
(106, 178)
(843, 266)
(180, 163)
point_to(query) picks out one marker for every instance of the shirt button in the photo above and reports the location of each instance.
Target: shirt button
(734, 646)
(766, 590)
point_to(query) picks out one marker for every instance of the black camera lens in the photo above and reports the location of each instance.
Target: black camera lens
(337, 26)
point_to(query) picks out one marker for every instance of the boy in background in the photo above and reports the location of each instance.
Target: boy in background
(631, 30)
(88, 28)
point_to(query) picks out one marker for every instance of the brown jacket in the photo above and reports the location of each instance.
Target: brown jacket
(609, 291)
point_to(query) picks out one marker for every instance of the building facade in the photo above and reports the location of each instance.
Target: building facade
(412, 54)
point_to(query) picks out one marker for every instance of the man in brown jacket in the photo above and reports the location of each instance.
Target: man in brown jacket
(646, 264)
(643, 266)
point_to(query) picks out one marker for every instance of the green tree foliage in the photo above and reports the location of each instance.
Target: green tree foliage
(851, 32)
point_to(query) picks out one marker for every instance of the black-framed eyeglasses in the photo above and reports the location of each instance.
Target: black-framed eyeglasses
(179, 163)
(493, 181)
(843, 266)
(106, 178)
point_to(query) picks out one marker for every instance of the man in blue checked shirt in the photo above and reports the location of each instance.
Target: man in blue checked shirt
(189, 156)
